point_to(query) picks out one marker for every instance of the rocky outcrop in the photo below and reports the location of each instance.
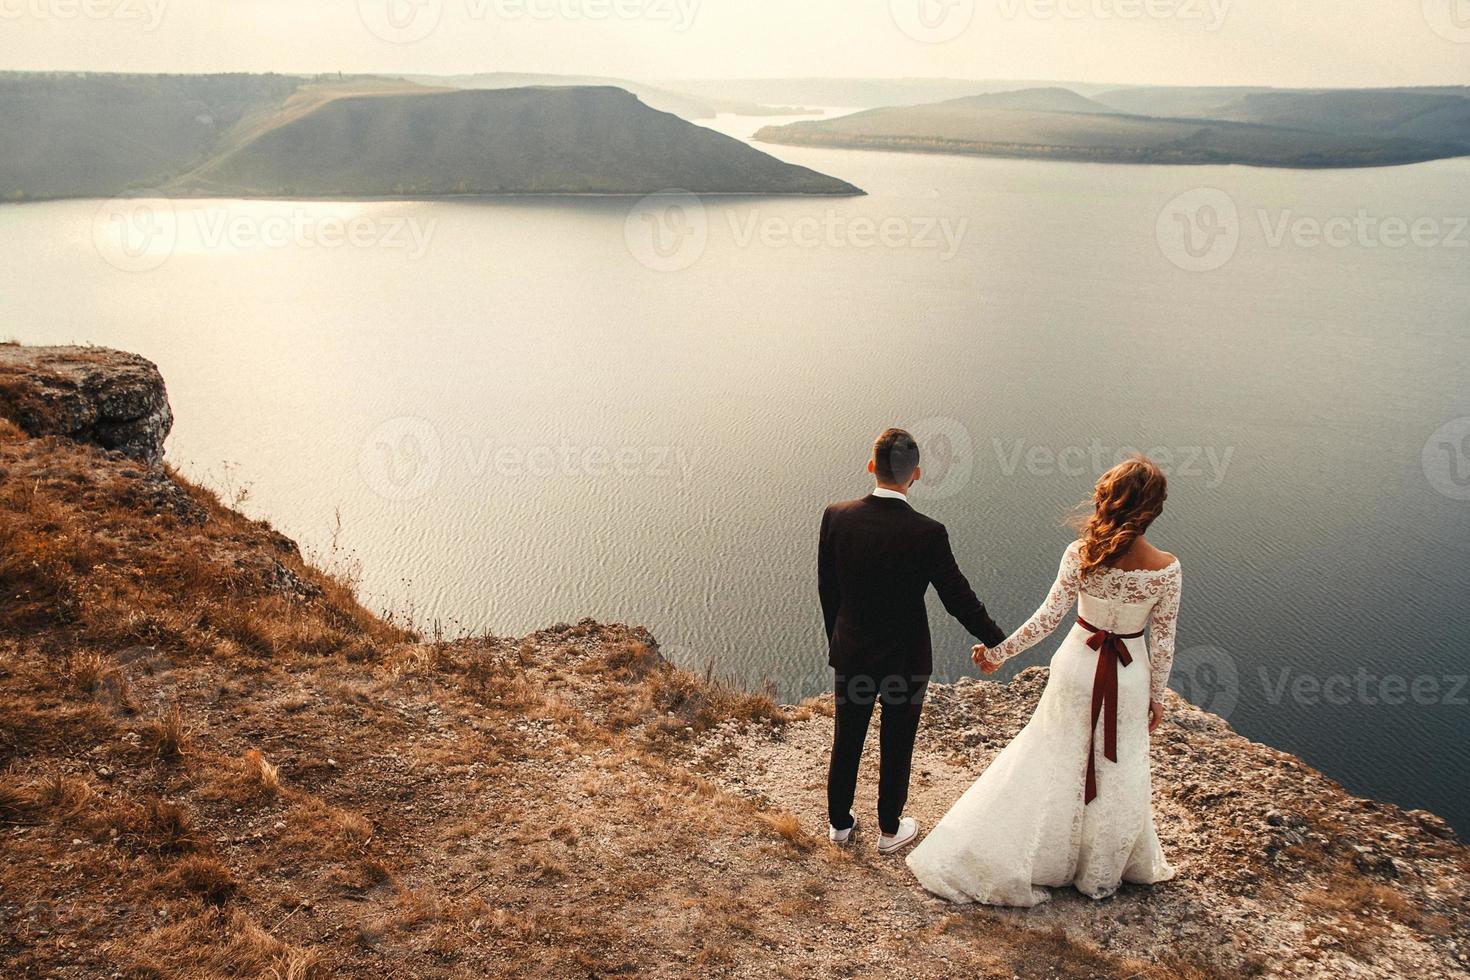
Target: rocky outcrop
(566, 803)
(109, 398)
(1282, 872)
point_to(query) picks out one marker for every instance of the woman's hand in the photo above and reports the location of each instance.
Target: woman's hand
(981, 655)
(1155, 715)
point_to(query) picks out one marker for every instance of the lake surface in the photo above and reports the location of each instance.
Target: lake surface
(529, 411)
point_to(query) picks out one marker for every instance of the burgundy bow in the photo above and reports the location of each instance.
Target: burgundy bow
(1111, 651)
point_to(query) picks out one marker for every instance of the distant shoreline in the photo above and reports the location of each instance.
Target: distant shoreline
(1010, 151)
(430, 198)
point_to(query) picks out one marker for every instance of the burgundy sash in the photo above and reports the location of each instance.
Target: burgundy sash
(1111, 652)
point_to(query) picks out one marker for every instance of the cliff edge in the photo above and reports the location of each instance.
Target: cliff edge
(215, 762)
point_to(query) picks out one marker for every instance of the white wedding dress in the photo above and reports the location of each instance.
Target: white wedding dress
(1025, 824)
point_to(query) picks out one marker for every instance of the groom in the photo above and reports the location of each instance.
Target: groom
(876, 560)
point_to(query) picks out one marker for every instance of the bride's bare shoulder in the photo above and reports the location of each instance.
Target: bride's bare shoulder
(1144, 557)
(1154, 559)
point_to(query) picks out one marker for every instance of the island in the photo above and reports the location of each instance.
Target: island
(1325, 129)
(275, 136)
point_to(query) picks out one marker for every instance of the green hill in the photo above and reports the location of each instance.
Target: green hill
(1385, 112)
(523, 141)
(272, 136)
(1055, 123)
(69, 135)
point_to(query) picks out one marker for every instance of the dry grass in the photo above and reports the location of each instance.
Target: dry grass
(206, 877)
(168, 827)
(1354, 910)
(59, 797)
(644, 691)
(215, 943)
(84, 670)
(787, 827)
(1015, 950)
(487, 807)
(169, 735)
(16, 805)
(261, 774)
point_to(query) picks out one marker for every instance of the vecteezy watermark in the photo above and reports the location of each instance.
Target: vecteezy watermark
(1450, 19)
(1207, 677)
(1363, 230)
(401, 21)
(411, 21)
(678, 14)
(1199, 230)
(135, 234)
(1365, 688)
(1446, 459)
(138, 234)
(943, 235)
(406, 458)
(401, 458)
(147, 14)
(946, 457)
(932, 21)
(1209, 463)
(219, 228)
(1210, 14)
(667, 231)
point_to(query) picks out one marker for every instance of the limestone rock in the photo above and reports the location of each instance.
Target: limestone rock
(109, 398)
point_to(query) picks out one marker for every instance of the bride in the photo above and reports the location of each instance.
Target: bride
(1069, 801)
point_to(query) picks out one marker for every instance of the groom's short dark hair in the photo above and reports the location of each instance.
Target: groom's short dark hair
(895, 456)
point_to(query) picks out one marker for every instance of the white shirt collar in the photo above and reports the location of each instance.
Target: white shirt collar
(889, 494)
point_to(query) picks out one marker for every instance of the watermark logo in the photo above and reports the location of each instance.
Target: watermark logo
(1363, 687)
(139, 234)
(221, 229)
(406, 458)
(932, 21)
(667, 231)
(148, 14)
(1450, 19)
(679, 14)
(946, 457)
(1209, 13)
(1208, 678)
(400, 459)
(1447, 459)
(411, 21)
(942, 235)
(1207, 463)
(1199, 230)
(401, 21)
(135, 234)
(1363, 230)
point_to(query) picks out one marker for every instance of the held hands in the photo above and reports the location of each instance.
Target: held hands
(1155, 715)
(981, 656)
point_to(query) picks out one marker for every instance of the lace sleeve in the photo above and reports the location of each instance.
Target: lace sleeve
(1059, 602)
(1162, 620)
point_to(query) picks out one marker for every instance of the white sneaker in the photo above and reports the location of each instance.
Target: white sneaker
(842, 836)
(908, 832)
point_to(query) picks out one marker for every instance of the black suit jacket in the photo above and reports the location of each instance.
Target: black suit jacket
(876, 560)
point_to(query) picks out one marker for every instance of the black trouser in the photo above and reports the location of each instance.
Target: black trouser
(902, 698)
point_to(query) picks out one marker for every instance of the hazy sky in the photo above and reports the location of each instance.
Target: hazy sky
(1280, 42)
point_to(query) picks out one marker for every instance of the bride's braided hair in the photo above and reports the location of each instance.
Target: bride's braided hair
(1124, 503)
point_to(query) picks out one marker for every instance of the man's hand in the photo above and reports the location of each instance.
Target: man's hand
(981, 656)
(1155, 715)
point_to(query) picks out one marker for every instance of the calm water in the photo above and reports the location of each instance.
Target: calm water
(529, 411)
